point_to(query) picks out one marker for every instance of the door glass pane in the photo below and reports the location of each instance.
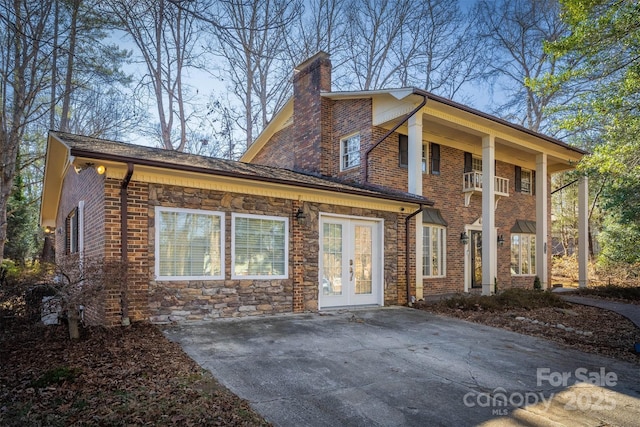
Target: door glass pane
(332, 259)
(363, 260)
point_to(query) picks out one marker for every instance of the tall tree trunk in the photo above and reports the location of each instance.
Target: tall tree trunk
(54, 65)
(68, 83)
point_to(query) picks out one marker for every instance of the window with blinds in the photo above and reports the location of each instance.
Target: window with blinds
(189, 244)
(259, 247)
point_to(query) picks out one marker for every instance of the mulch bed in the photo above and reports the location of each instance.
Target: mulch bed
(608, 333)
(116, 376)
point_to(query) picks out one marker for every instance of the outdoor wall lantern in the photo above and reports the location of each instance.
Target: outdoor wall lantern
(500, 240)
(300, 216)
(464, 239)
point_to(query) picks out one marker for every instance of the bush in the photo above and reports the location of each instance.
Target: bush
(509, 299)
(536, 284)
(15, 282)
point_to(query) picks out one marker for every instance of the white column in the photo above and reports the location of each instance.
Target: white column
(489, 238)
(583, 232)
(415, 187)
(415, 154)
(542, 224)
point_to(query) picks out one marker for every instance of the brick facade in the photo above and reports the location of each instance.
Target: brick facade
(86, 186)
(279, 150)
(102, 243)
(343, 117)
(311, 144)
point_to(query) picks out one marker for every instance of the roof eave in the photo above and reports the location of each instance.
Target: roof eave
(224, 173)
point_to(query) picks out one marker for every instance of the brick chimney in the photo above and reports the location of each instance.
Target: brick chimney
(310, 78)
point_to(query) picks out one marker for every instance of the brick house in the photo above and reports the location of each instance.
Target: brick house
(489, 179)
(345, 199)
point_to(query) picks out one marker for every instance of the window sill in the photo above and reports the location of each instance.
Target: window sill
(188, 278)
(233, 277)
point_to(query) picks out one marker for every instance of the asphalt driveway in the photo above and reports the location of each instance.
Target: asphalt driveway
(399, 366)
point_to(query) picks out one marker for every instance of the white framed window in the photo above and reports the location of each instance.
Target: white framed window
(523, 254)
(525, 181)
(350, 152)
(189, 244)
(434, 242)
(404, 153)
(424, 158)
(476, 164)
(260, 247)
(72, 227)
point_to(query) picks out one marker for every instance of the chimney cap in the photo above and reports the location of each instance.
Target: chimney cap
(320, 55)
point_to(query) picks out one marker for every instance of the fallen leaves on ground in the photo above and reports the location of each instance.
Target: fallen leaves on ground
(610, 333)
(115, 376)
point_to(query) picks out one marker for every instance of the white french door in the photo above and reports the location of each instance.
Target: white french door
(351, 262)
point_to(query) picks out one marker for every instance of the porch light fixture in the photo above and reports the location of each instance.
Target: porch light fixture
(100, 169)
(500, 240)
(300, 216)
(464, 239)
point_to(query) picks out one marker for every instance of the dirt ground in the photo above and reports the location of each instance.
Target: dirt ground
(588, 329)
(118, 376)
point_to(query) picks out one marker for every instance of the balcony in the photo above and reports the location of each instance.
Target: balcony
(472, 183)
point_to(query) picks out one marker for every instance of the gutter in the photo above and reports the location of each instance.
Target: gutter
(124, 239)
(393, 129)
(408, 251)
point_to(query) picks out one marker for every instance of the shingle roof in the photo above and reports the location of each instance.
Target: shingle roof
(84, 146)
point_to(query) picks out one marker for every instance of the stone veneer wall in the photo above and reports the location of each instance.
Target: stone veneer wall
(202, 300)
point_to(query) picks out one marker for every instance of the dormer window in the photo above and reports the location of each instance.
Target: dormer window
(350, 151)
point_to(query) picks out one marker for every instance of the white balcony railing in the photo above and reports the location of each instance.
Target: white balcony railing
(472, 182)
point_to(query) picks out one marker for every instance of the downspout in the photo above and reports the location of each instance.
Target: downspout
(408, 250)
(393, 129)
(124, 238)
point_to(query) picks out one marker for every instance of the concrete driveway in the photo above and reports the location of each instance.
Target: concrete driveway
(399, 366)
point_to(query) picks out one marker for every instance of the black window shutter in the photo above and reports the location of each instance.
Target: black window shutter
(533, 182)
(468, 162)
(403, 147)
(435, 158)
(518, 179)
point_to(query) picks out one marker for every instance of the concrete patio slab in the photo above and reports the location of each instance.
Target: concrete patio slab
(399, 366)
